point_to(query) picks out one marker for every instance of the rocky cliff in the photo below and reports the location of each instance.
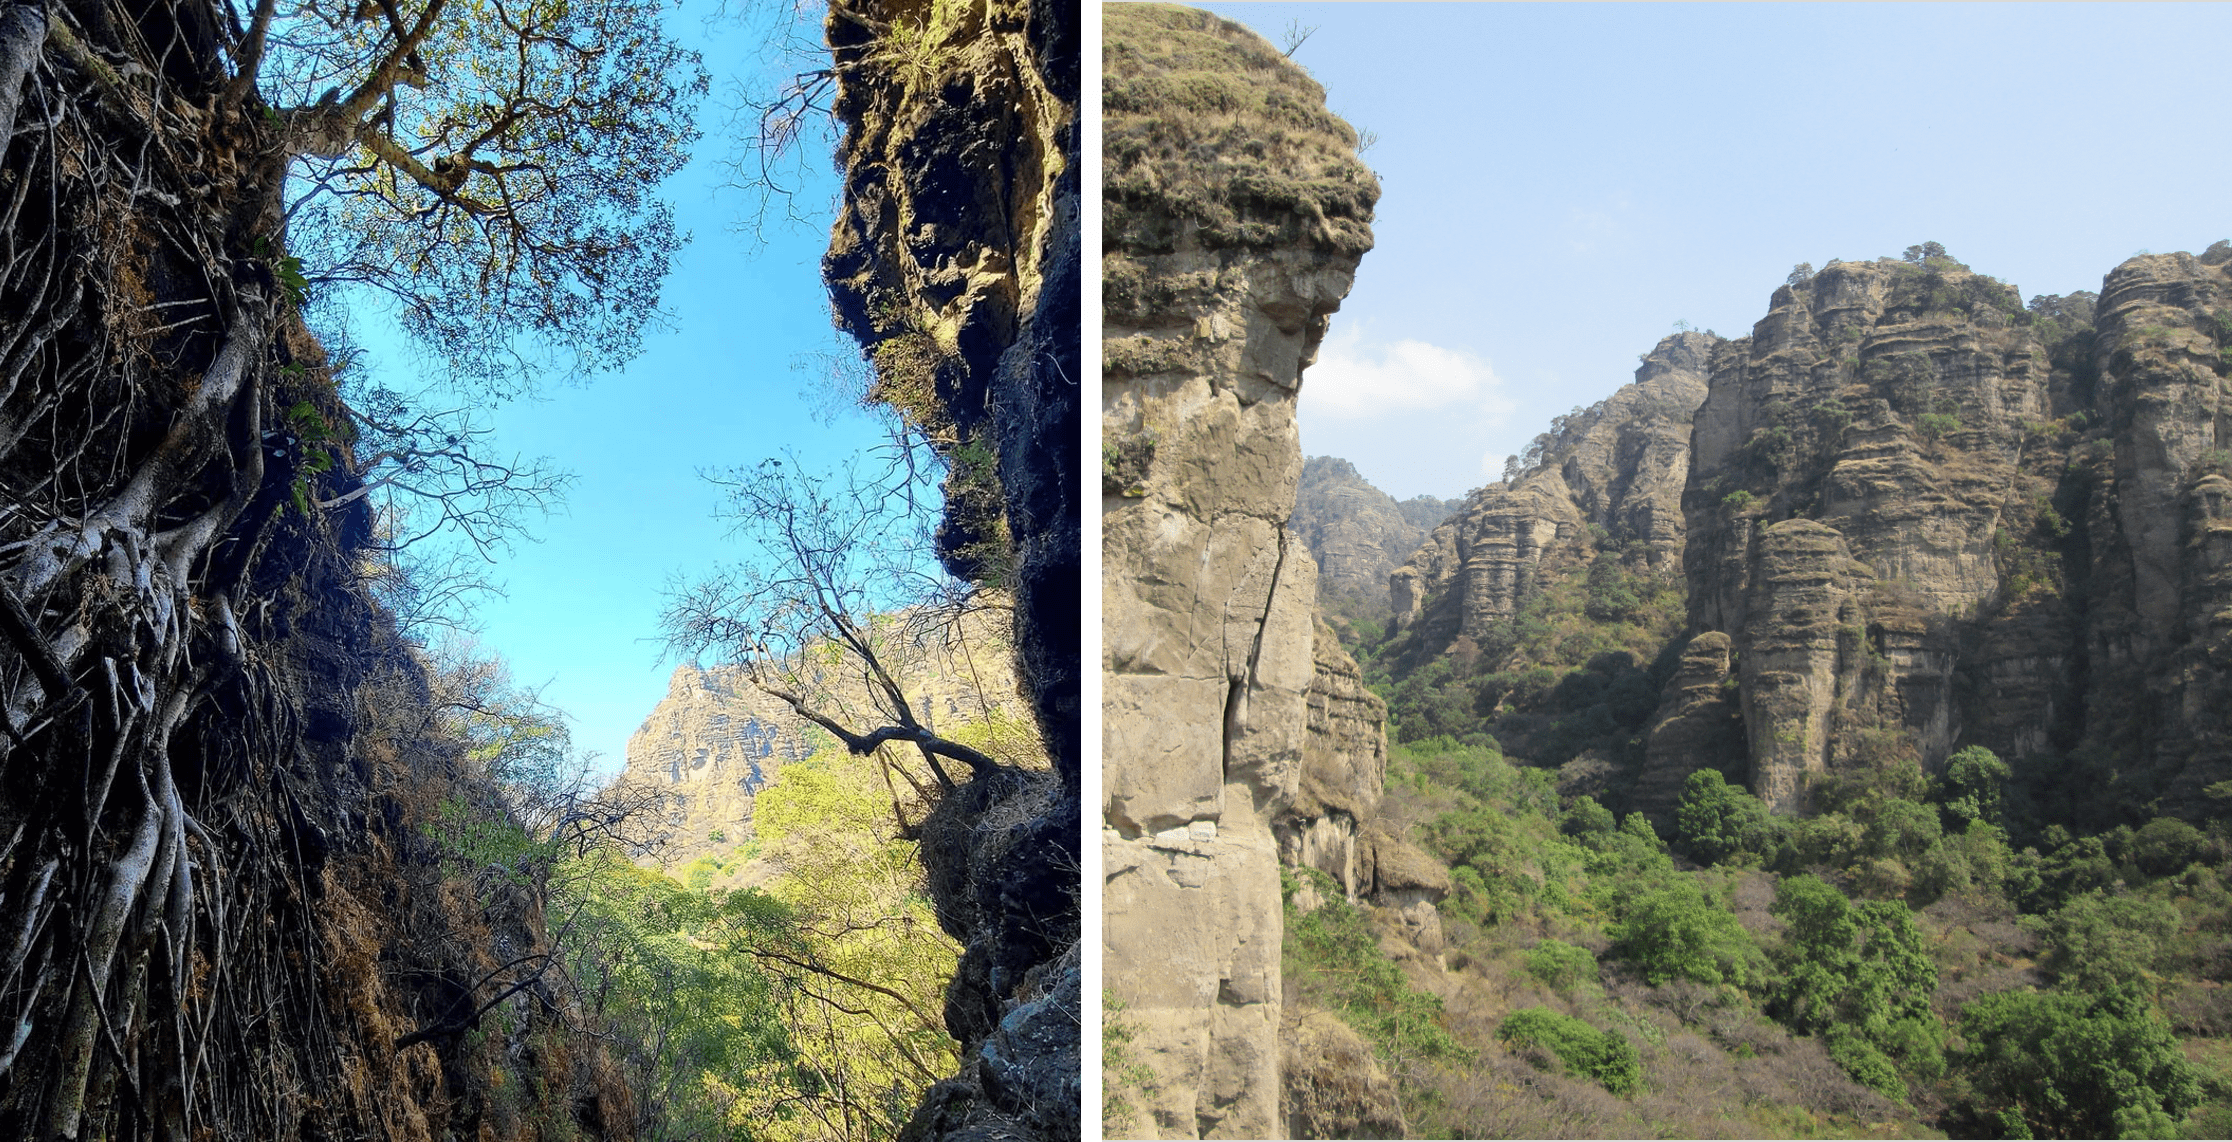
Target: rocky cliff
(1610, 474)
(1235, 730)
(955, 263)
(1358, 534)
(1922, 515)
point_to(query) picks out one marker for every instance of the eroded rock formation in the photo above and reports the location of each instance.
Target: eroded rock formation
(1358, 534)
(1922, 515)
(1611, 473)
(1236, 213)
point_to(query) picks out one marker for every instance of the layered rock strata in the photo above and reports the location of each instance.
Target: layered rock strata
(1611, 473)
(1922, 516)
(1236, 213)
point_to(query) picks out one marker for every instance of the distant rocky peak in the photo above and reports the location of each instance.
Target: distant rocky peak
(1611, 472)
(1357, 533)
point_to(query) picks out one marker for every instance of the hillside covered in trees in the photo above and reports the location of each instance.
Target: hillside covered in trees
(279, 861)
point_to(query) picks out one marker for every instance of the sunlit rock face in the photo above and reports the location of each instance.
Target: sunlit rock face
(1234, 727)
(1922, 515)
(1608, 474)
(715, 740)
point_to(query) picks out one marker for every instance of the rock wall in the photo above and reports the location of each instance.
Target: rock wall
(1921, 515)
(1236, 213)
(956, 263)
(1358, 534)
(715, 740)
(1613, 472)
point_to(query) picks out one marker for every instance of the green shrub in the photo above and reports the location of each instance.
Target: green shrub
(1973, 786)
(1607, 1057)
(2076, 1066)
(1587, 819)
(1560, 965)
(1333, 952)
(1717, 821)
(1868, 1066)
(2165, 846)
(1675, 930)
(1933, 425)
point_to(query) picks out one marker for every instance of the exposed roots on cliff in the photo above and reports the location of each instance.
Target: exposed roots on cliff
(182, 635)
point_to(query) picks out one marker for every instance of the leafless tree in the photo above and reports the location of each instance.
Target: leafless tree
(838, 596)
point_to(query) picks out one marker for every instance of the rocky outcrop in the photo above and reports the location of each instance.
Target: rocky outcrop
(1358, 534)
(1699, 725)
(1922, 515)
(1608, 474)
(956, 263)
(1852, 465)
(1236, 212)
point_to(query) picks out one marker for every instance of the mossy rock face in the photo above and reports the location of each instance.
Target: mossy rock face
(1210, 130)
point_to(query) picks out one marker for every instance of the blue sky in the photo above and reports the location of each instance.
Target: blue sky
(737, 377)
(1562, 182)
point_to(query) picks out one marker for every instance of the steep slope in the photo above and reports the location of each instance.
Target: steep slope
(233, 902)
(1357, 534)
(1538, 616)
(1609, 474)
(1923, 516)
(956, 263)
(1236, 732)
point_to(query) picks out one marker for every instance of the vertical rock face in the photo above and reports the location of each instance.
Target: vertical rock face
(1853, 463)
(1358, 534)
(956, 263)
(1922, 516)
(1236, 213)
(1610, 473)
(2163, 633)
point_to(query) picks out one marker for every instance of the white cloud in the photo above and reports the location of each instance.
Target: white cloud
(1414, 417)
(1359, 380)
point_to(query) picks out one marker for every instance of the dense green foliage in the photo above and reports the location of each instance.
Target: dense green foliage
(1595, 646)
(1675, 929)
(1896, 930)
(2068, 1065)
(1601, 1055)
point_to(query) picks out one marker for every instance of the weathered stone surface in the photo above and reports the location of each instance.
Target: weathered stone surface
(1925, 517)
(1617, 466)
(1699, 725)
(1854, 461)
(956, 262)
(1358, 534)
(1344, 765)
(1236, 213)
